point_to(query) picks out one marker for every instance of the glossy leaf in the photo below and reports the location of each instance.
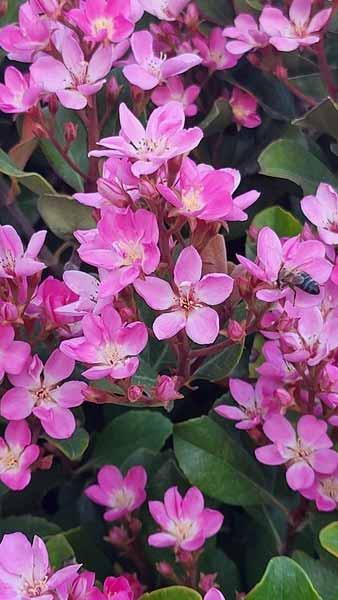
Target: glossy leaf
(29, 525)
(218, 12)
(173, 593)
(322, 118)
(33, 181)
(59, 550)
(218, 118)
(213, 461)
(329, 538)
(220, 364)
(129, 432)
(324, 579)
(289, 160)
(64, 215)
(284, 579)
(73, 447)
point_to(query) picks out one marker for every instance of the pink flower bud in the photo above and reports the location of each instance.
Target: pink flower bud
(281, 72)
(118, 536)
(39, 131)
(134, 393)
(113, 90)
(207, 581)
(235, 330)
(53, 104)
(3, 7)
(192, 17)
(165, 569)
(70, 132)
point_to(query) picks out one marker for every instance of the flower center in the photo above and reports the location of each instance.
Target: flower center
(9, 461)
(330, 487)
(34, 589)
(146, 146)
(187, 300)
(101, 24)
(154, 63)
(123, 498)
(112, 354)
(192, 200)
(302, 452)
(183, 530)
(42, 396)
(7, 262)
(130, 251)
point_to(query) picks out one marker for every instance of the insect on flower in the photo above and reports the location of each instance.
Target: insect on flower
(299, 279)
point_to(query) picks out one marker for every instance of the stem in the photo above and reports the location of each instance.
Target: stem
(296, 520)
(93, 136)
(297, 92)
(325, 70)
(66, 157)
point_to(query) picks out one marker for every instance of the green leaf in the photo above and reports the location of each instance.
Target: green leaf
(63, 215)
(323, 578)
(73, 447)
(78, 151)
(218, 118)
(60, 551)
(172, 593)
(12, 12)
(288, 160)
(28, 525)
(329, 538)
(88, 551)
(33, 181)
(132, 430)
(217, 464)
(284, 579)
(216, 11)
(220, 365)
(322, 118)
(280, 220)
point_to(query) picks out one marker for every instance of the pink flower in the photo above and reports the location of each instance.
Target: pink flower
(165, 10)
(185, 523)
(108, 345)
(201, 192)
(74, 79)
(305, 454)
(21, 42)
(103, 20)
(16, 95)
(117, 187)
(174, 89)
(189, 308)
(247, 35)
(25, 571)
(324, 492)
(82, 588)
(50, 296)
(13, 354)
(276, 367)
(256, 403)
(297, 31)
(244, 109)
(213, 51)
(275, 261)
(120, 495)
(17, 454)
(37, 391)
(214, 594)
(115, 588)
(126, 245)
(322, 211)
(163, 138)
(14, 261)
(241, 202)
(313, 339)
(87, 288)
(150, 69)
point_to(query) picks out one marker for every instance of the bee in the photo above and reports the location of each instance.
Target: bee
(298, 279)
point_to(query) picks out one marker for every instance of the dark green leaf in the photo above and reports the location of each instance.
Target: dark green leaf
(77, 152)
(73, 447)
(60, 551)
(218, 118)
(220, 365)
(284, 579)
(217, 464)
(89, 551)
(28, 525)
(33, 181)
(214, 560)
(280, 220)
(289, 160)
(323, 578)
(322, 118)
(219, 12)
(129, 432)
(172, 593)
(63, 214)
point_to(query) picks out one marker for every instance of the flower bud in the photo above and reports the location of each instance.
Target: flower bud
(281, 72)
(113, 90)
(39, 131)
(134, 393)
(53, 104)
(118, 536)
(192, 17)
(70, 132)
(235, 331)
(165, 569)
(3, 8)
(207, 581)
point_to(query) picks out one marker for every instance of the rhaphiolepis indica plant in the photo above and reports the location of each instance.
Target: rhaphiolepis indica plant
(168, 300)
